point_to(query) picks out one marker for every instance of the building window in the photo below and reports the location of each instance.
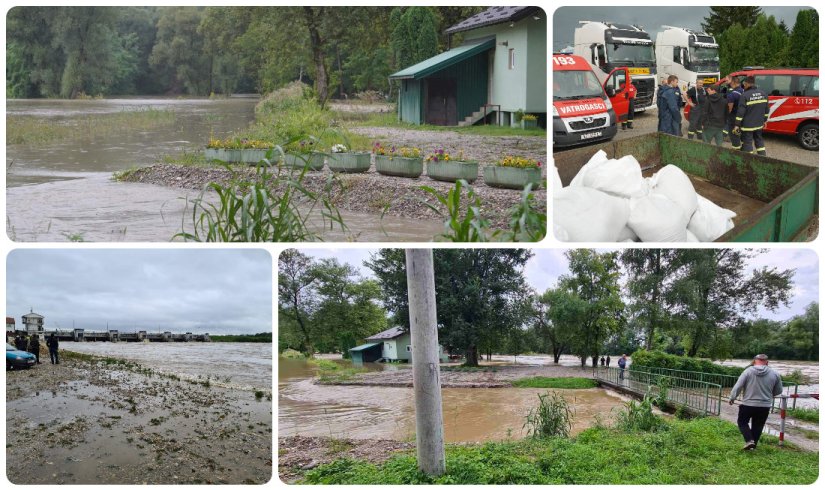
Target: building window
(409, 348)
(512, 63)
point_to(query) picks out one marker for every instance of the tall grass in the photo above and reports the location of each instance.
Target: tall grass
(802, 413)
(275, 207)
(639, 417)
(37, 130)
(552, 418)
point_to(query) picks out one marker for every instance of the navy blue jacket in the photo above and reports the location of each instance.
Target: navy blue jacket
(753, 109)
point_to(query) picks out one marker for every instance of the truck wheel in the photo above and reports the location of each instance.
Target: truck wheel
(808, 136)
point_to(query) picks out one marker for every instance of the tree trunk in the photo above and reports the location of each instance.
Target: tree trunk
(594, 360)
(340, 72)
(556, 354)
(471, 356)
(583, 360)
(317, 47)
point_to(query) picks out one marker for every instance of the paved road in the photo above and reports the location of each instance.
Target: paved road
(781, 147)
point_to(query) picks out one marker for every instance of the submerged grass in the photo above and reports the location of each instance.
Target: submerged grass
(806, 414)
(701, 451)
(559, 383)
(330, 372)
(37, 130)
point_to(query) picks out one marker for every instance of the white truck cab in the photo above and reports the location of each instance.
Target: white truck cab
(607, 46)
(688, 54)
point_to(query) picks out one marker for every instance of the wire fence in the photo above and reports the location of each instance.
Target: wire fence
(701, 396)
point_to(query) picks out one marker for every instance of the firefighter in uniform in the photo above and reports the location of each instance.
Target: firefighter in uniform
(631, 98)
(751, 116)
(733, 96)
(696, 100)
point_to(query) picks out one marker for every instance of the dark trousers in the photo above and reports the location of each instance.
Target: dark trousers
(710, 134)
(694, 125)
(751, 138)
(53, 356)
(756, 416)
(735, 139)
(36, 354)
(621, 373)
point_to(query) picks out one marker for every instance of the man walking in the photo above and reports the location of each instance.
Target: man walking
(758, 384)
(622, 365)
(714, 115)
(751, 116)
(52, 343)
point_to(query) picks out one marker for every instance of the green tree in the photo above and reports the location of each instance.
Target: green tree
(803, 45)
(649, 272)
(414, 36)
(180, 44)
(297, 301)
(712, 293)
(550, 321)
(722, 18)
(802, 333)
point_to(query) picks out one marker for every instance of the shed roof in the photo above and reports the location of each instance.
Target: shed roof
(32, 315)
(390, 333)
(9, 320)
(364, 347)
(492, 16)
(445, 59)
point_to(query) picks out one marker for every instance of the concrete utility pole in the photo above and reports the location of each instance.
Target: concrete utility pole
(429, 428)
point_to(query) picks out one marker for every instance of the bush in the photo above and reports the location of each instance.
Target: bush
(658, 359)
(553, 417)
(639, 417)
(559, 383)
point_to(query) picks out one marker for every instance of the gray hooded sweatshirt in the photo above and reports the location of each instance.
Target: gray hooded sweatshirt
(758, 385)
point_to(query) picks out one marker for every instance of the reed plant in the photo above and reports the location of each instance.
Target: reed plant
(552, 418)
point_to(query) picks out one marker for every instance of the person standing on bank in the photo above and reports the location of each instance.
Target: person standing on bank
(751, 115)
(607, 361)
(714, 115)
(622, 365)
(631, 98)
(734, 92)
(53, 343)
(696, 101)
(670, 120)
(758, 384)
(34, 346)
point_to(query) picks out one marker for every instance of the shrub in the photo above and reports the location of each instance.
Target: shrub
(639, 417)
(553, 417)
(658, 359)
(559, 383)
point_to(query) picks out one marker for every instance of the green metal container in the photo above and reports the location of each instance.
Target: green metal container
(300, 160)
(529, 124)
(349, 163)
(399, 166)
(775, 200)
(246, 155)
(512, 177)
(452, 171)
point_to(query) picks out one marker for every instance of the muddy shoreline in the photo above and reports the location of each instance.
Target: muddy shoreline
(92, 420)
(368, 192)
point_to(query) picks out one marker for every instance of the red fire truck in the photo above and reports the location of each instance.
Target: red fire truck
(583, 109)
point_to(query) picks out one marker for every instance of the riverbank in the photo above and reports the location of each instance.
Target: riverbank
(102, 420)
(367, 193)
(701, 451)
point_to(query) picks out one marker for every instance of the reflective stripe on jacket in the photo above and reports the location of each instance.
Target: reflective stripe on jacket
(753, 109)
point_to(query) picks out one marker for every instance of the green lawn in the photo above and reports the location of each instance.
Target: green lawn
(701, 451)
(560, 383)
(807, 414)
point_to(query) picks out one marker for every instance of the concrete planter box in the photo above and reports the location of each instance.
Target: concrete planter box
(399, 167)
(247, 155)
(453, 171)
(295, 160)
(512, 177)
(526, 124)
(350, 163)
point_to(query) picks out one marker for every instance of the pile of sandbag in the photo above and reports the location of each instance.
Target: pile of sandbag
(610, 201)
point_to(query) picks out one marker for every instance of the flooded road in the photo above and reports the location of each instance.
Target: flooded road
(62, 191)
(220, 361)
(470, 414)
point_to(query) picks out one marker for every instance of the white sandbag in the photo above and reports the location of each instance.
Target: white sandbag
(557, 185)
(672, 182)
(588, 215)
(598, 159)
(627, 235)
(691, 237)
(710, 221)
(655, 218)
(621, 178)
(560, 233)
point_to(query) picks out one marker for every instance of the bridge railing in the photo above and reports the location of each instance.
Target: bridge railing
(700, 396)
(725, 380)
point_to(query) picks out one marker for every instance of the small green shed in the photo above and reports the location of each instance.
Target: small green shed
(396, 345)
(366, 353)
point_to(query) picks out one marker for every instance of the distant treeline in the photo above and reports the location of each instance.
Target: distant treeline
(258, 337)
(71, 51)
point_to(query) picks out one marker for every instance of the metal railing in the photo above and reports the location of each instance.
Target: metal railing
(701, 396)
(725, 380)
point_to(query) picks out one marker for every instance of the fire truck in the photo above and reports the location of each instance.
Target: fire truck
(585, 110)
(793, 95)
(687, 54)
(607, 46)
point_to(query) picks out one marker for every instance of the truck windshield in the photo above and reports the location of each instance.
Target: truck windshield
(570, 85)
(704, 59)
(633, 53)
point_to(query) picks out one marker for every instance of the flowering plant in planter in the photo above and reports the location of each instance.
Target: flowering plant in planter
(238, 144)
(394, 151)
(339, 148)
(529, 117)
(348, 161)
(398, 162)
(303, 146)
(518, 162)
(451, 168)
(514, 172)
(440, 155)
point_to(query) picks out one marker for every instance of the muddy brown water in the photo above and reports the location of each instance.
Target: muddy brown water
(63, 190)
(364, 412)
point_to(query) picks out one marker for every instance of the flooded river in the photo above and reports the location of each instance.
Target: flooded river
(63, 190)
(240, 365)
(363, 412)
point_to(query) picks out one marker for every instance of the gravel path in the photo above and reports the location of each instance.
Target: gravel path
(368, 192)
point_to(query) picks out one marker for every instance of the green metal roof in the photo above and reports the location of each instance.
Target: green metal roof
(443, 60)
(363, 347)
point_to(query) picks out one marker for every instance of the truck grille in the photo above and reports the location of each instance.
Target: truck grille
(581, 125)
(645, 89)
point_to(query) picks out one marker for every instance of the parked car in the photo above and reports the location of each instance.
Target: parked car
(16, 359)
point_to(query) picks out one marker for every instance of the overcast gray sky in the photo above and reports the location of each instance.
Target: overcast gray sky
(544, 269)
(199, 291)
(566, 19)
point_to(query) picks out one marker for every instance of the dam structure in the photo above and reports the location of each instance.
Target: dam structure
(83, 335)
